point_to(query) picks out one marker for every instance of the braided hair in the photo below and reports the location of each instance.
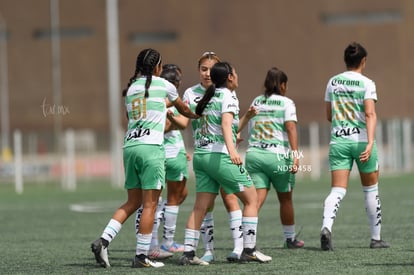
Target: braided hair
(147, 61)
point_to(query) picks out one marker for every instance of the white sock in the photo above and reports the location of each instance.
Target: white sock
(143, 244)
(170, 216)
(249, 231)
(138, 219)
(373, 208)
(111, 230)
(331, 206)
(159, 213)
(191, 238)
(288, 232)
(154, 238)
(207, 232)
(235, 220)
(158, 218)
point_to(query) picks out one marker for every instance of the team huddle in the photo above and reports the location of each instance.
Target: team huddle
(155, 157)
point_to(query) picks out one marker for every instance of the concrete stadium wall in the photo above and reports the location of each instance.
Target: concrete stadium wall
(304, 38)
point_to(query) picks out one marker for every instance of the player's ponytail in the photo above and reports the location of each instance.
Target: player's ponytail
(202, 104)
(219, 74)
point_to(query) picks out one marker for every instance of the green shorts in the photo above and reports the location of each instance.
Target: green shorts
(176, 169)
(342, 157)
(267, 168)
(144, 167)
(215, 170)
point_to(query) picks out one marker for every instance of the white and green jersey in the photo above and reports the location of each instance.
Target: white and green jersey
(173, 140)
(267, 129)
(209, 135)
(346, 92)
(191, 97)
(146, 116)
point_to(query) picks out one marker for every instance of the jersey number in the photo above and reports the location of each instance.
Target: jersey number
(203, 124)
(344, 111)
(263, 130)
(139, 108)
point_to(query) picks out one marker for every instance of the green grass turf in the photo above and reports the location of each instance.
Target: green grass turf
(40, 234)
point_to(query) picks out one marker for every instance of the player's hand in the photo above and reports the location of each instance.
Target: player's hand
(366, 154)
(239, 140)
(295, 166)
(170, 114)
(251, 112)
(235, 158)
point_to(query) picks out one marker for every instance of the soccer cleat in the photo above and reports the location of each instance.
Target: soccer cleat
(253, 255)
(175, 247)
(101, 252)
(208, 257)
(326, 239)
(233, 257)
(159, 254)
(378, 244)
(292, 244)
(189, 258)
(142, 261)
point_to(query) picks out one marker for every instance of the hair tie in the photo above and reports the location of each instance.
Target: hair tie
(145, 56)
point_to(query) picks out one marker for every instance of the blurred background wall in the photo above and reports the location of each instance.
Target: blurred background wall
(304, 38)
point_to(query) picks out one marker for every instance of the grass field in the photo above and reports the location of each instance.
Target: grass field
(42, 234)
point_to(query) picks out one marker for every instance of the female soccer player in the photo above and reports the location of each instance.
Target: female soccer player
(350, 107)
(192, 96)
(272, 155)
(218, 164)
(176, 166)
(143, 154)
(176, 174)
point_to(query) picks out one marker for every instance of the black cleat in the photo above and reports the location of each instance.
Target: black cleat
(293, 243)
(326, 239)
(142, 261)
(378, 244)
(101, 252)
(253, 255)
(189, 258)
